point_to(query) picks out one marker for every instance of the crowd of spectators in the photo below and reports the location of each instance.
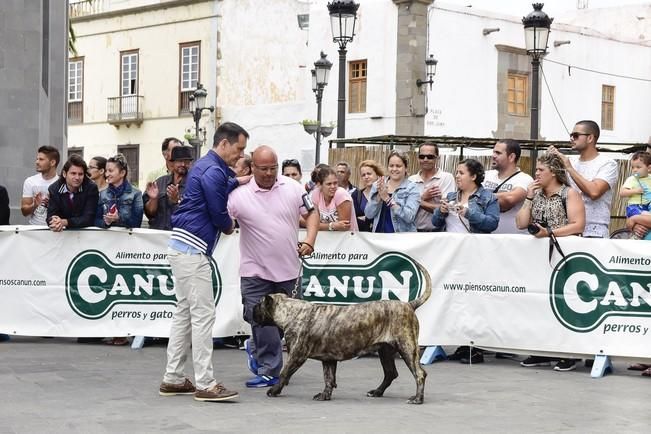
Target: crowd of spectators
(569, 195)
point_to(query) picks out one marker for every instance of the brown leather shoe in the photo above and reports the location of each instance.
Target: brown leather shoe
(186, 388)
(216, 393)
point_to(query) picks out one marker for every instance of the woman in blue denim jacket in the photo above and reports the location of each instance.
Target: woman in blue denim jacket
(471, 208)
(394, 200)
(121, 203)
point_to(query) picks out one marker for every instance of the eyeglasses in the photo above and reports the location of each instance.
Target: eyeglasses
(575, 136)
(427, 157)
(92, 167)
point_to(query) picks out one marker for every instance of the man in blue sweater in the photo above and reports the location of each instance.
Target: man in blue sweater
(196, 225)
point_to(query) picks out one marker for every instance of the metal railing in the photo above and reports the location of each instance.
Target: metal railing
(125, 109)
(75, 112)
(82, 8)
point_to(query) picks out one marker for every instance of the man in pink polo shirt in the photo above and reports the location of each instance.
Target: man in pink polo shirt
(268, 210)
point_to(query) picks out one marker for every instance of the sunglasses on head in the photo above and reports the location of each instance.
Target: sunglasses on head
(576, 135)
(291, 162)
(427, 157)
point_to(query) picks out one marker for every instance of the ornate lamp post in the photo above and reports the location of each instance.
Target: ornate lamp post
(320, 76)
(343, 16)
(536, 34)
(197, 106)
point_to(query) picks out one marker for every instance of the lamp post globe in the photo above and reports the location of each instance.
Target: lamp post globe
(200, 96)
(430, 64)
(343, 17)
(536, 31)
(322, 68)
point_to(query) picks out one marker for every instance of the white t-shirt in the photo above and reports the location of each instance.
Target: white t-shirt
(597, 212)
(507, 218)
(33, 185)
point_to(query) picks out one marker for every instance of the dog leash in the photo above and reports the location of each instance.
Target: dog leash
(294, 293)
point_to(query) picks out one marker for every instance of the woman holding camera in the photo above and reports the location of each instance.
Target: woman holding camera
(394, 200)
(121, 203)
(471, 209)
(551, 205)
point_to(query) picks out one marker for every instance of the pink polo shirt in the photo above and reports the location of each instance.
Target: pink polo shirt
(268, 228)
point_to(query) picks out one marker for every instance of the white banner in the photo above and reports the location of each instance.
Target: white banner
(97, 282)
(497, 291)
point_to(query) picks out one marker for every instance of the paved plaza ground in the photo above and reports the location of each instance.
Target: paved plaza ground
(59, 386)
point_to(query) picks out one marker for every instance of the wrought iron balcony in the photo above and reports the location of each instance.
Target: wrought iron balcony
(125, 110)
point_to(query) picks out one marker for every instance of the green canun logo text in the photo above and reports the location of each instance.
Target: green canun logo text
(392, 276)
(583, 293)
(94, 284)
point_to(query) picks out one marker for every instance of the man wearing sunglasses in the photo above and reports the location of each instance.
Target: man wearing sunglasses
(594, 176)
(433, 184)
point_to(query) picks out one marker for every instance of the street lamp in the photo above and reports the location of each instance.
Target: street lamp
(196, 107)
(343, 16)
(536, 34)
(320, 76)
(430, 64)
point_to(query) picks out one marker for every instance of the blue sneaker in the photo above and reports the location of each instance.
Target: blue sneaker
(250, 359)
(261, 381)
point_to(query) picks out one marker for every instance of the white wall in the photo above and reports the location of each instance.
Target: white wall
(463, 100)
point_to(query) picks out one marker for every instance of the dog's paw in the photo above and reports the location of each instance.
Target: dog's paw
(273, 391)
(375, 393)
(415, 400)
(322, 396)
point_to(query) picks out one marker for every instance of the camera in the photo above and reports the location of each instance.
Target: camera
(534, 229)
(454, 207)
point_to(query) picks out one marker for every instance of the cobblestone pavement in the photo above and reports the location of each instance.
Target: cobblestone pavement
(59, 386)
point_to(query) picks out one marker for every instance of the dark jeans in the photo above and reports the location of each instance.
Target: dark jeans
(266, 345)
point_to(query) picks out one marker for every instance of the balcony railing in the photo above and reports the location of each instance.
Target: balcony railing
(184, 102)
(81, 8)
(125, 110)
(75, 112)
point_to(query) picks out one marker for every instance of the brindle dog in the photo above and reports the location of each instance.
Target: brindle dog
(332, 333)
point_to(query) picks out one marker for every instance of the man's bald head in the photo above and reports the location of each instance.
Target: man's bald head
(265, 166)
(264, 155)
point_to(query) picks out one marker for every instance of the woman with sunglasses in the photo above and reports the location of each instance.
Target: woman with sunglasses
(369, 172)
(121, 203)
(471, 209)
(551, 205)
(335, 204)
(292, 169)
(394, 199)
(97, 172)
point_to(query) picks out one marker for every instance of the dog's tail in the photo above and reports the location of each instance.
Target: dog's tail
(415, 304)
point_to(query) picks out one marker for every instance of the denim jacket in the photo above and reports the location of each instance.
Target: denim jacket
(483, 212)
(130, 208)
(403, 216)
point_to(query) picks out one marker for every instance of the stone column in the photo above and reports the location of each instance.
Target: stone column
(412, 51)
